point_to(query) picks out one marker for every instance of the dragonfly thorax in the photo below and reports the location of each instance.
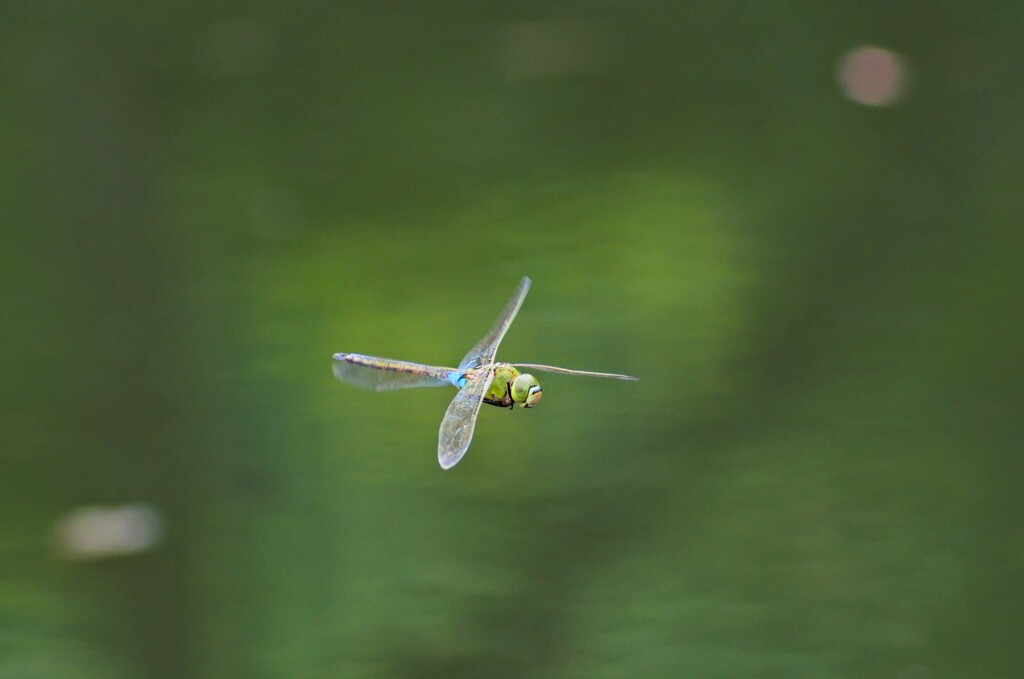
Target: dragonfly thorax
(510, 387)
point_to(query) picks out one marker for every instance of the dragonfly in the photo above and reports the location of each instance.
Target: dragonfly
(478, 378)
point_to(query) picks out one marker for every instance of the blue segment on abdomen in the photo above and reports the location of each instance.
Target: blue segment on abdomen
(457, 378)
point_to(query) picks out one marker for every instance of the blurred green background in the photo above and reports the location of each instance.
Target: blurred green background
(818, 476)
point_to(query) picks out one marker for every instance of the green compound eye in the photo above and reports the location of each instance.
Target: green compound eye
(526, 390)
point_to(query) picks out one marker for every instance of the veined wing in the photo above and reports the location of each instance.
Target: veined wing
(386, 374)
(483, 353)
(567, 371)
(460, 419)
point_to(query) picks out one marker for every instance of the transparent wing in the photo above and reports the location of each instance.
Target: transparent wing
(385, 374)
(483, 353)
(567, 371)
(460, 420)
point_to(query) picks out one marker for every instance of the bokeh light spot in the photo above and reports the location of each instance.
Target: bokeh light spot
(103, 532)
(872, 76)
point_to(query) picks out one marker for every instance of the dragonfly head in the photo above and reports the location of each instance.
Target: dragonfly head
(526, 390)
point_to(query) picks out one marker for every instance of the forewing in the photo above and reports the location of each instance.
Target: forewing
(460, 420)
(383, 374)
(567, 371)
(483, 353)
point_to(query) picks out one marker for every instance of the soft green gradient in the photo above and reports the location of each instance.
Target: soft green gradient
(818, 474)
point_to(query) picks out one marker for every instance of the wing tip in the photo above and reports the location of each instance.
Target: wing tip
(447, 461)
